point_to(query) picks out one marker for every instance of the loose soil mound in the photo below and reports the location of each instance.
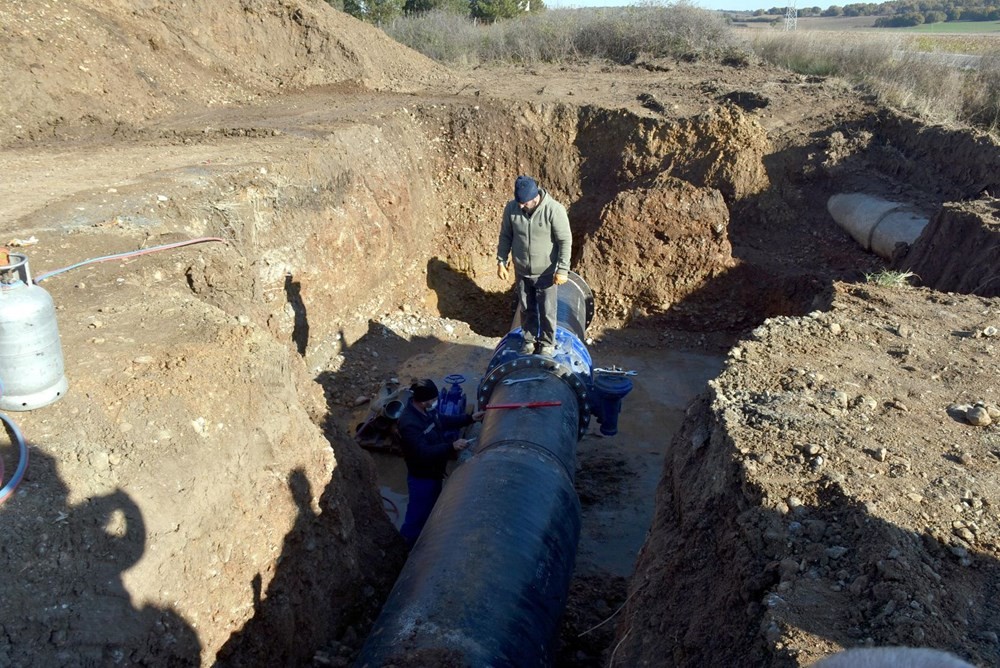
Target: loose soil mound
(110, 66)
(655, 246)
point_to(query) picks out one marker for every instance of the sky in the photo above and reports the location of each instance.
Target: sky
(740, 5)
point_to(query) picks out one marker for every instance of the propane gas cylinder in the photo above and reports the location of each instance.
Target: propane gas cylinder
(31, 361)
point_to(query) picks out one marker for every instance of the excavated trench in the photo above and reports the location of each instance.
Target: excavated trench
(362, 249)
(198, 495)
(684, 234)
(409, 229)
(391, 274)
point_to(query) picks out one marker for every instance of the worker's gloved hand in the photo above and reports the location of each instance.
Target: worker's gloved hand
(559, 279)
(460, 444)
(502, 272)
(478, 415)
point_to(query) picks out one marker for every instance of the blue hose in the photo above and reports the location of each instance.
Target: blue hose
(22, 464)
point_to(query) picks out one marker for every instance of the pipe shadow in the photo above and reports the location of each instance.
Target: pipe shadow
(64, 600)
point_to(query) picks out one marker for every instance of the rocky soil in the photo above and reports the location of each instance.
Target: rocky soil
(847, 465)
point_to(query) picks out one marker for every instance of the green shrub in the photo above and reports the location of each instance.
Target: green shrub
(460, 7)
(890, 278)
(493, 10)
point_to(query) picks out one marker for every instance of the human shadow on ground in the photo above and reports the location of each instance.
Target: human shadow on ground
(300, 329)
(64, 600)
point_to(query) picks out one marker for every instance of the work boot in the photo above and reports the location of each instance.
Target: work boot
(548, 350)
(528, 347)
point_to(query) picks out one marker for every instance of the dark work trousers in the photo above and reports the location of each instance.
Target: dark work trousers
(424, 493)
(538, 305)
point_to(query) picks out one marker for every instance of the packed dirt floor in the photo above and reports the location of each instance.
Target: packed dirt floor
(197, 496)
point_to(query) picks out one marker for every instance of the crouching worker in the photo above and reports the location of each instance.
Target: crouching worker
(426, 452)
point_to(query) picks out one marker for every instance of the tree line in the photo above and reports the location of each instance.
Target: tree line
(383, 11)
(902, 13)
(892, 14)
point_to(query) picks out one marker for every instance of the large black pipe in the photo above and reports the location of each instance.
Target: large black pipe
(486, 583)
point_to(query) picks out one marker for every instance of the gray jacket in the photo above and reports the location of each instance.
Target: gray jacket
(540, 244)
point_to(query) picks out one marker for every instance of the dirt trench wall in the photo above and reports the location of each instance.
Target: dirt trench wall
(696, 573)
(656, 246)
(170, 499)
(827, 492)
(266, 547)
(329, 236)
(332, 236)
(483, 148)
(722, 149)
(951, 164)
(587, 158)
(959, 249)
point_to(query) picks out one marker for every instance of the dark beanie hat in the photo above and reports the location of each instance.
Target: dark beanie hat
(424, 390)
(525, 189)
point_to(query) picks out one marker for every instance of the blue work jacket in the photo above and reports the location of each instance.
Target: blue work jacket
(424, 447)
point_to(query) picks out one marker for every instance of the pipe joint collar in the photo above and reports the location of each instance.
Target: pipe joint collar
(551, 366)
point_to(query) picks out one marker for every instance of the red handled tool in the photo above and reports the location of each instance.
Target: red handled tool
(525, 404)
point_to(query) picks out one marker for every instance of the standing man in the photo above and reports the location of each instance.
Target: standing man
(535, 232)
(426, 452)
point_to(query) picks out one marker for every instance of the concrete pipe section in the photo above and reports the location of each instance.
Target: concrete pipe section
(877, 224)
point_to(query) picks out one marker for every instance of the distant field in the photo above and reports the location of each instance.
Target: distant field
(815, 23)
(866, 23)
(958, 27)
(836, 23)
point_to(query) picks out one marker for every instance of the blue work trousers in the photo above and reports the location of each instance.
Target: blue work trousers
(424, 493)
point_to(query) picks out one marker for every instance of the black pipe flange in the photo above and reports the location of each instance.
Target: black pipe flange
(549, 365)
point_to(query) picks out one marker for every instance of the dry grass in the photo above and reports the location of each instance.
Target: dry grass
(898, 69)
(952, 43)
(562, 35)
